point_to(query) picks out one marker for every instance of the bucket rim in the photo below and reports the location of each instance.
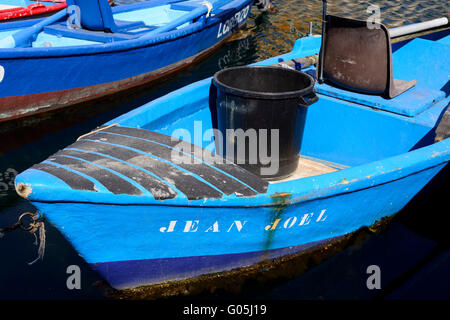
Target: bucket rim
(265, 95)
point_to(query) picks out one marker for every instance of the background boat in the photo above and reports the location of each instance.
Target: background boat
(152, 39)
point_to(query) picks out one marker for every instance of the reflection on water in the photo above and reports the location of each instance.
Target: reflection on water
(274, 34)
(28, 142)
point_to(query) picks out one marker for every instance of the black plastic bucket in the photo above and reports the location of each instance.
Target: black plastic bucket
(269, 103)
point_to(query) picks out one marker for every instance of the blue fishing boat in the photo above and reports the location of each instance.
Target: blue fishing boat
(139, 216)
(91, 50)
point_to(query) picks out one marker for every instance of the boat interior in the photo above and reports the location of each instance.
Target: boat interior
(348, 126)
(96, 22)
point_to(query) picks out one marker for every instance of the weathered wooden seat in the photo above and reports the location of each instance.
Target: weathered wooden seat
(359, 58)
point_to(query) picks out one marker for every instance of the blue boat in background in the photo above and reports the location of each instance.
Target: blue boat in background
(139, 218)
(91, 50)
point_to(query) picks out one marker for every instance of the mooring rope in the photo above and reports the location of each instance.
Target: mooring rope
(41, 250)
(37, 224)
(9, 229)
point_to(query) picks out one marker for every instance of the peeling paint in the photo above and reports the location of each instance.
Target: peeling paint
(345, 181)
(281, 201)
(23, 190)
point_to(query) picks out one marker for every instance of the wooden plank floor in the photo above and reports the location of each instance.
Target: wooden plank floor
(308, 168)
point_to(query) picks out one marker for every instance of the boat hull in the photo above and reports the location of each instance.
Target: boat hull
(381, 159)
(28, 105)
(84, 74)
(164, 243)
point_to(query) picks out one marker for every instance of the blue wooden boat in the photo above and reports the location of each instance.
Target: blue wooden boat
(139, 218)
(91, 50)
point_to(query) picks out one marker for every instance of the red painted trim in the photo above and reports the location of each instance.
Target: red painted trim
(32, 10)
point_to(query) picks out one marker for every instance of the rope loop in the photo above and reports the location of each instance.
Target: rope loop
(31, 225)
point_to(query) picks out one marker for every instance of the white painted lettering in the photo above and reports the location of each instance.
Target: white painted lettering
(306, 219)
(273, 225)
(239, 225)
(214, 227)
(170, 228)
(191, 226)
(289, 223)
(321, 217)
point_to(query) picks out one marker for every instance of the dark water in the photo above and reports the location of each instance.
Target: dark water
(412, 252)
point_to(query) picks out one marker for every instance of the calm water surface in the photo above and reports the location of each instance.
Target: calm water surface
(413, 251)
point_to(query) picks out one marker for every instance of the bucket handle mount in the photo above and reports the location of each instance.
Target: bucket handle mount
(309, 99)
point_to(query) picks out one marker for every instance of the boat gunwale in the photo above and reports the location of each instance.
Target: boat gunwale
(117, 46)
